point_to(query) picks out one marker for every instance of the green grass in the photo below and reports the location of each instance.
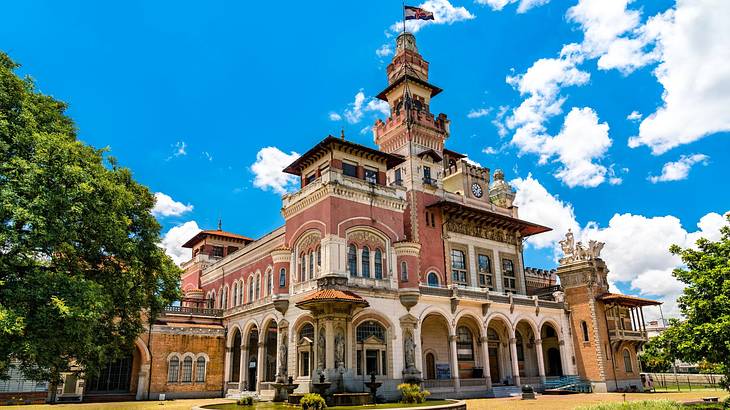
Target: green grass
(281, 406)
(651, 405)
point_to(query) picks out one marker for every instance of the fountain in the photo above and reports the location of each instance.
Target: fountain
(373, 386)
(284, 388)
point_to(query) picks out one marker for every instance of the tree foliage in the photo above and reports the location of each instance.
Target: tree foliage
(704, 332)
(654, 359)
(80, 267)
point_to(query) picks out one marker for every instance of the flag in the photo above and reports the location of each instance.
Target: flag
(415, 13)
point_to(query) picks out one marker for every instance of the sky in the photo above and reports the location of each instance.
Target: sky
(610, 118)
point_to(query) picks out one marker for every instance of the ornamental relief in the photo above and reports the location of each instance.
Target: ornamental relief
(310, 241)
(480, 231)
(366, 238)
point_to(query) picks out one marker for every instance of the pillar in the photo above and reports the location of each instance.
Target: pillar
(485, 354)
(455, 363)
(227, 369)
(515, 365)
(329, 336)
(144, 372)
(242, 369)
(260, 363)
(540, 360)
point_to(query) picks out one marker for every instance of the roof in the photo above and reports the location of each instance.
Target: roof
(332, 295)
(627, 300)
(526, 228)
(454, 154)
(431, 153)
(434, 90)
(211, 232)
(331, 142)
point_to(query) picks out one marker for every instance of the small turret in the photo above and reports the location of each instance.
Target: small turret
(500, 191)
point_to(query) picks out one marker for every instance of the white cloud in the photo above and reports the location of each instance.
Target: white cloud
(166, 206)
(634, 116)
(679, 170)
(489, 150)
(365, 130)
(333, 116)
(384, 51)
(361, 105)
(695, 76)
(178, 150)
(524, 5)
(472, 162)
(270, 161)
(207, 155)
(173, 240)
(602, 22)
(481, 112)
(443, 12)
(637, 247)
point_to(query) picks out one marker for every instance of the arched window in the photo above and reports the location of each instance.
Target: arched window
(187, 370)
(433, 279)
(352, 260)
(235, 293)
(304, 349)
(212, 299)
(173, 369)
(319, 258)
(311, 265)
(584, 327)
(307, 331)
(258, 287)
(464, 344)
(370, 328)
(378, 264)
(224, 298)
(270, 283)
(282, 278)
(250, 289)
(627, 361)
(404, 271)
(200, 370)
(365, 262)
(241, 291)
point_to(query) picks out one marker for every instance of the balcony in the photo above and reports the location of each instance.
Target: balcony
(193, 311)
(486, 295)
(627, 335)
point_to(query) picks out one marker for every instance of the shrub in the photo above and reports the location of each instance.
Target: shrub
(312, 401)
(412, 393)
(245, 401)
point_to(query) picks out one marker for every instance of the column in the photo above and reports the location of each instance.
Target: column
(227, 370)
(260, 364)
(540, 360)
(454, 363)
(244, 366)
(485, 353)
(472, 265)
(242, 370)
(515, 365)
(329, 330)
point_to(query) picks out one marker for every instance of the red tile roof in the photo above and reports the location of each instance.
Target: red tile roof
(332, 295)
(214, 232)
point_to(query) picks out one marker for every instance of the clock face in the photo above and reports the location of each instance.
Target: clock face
(476, 189)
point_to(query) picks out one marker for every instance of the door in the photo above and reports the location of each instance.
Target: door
(555, 368)
(494, 365)
(115, 377)
(252, 382)
(430, 366)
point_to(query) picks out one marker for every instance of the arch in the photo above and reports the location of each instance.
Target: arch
(465, 314)
(305, 228)
(432, 309)
(628, 364)
(349, 224)
(530, 322)
(372, 314)
(551, 322)
(267, 319)
(250, 325)
(299, 322)
(525, 342)
(235, 348)
(433, 279)
(143, 350)
(504, 319)
(231, 334)
(435, 332)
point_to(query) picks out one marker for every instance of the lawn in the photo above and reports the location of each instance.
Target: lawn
(273, 406)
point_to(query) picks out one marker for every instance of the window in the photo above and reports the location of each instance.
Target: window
(398, 177)
(270, 283)
(584, 327)
(200, 370)
(352, 260)
(217, 252)
(426, 174)
(310, 178)
(232, 249)
(173, 368)
(485, 271)
(627, 361)
(371, 348)
(458, 266)
(187, 370)
(250, 289)
(258, 287)
(306, 331)
(241, 292)
(224, 299)
(508, 276)
(349, 170)
(433, 279)
(403, 271)
(464, 344)
(365, 262)
(378, 264)
(282, 278)
(371, 175)
(370, 328)
(304, 364)
(311, 265)
(319, 258)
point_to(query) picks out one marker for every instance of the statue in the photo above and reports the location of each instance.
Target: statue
(321, 359)
(283, 356)
(410, 351)
(576, 251)
(339, 348)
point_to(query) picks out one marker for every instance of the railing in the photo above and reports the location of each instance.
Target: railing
(546, 291)
(187, 310)
(304, 286)
(430, 181)
(621, 334)
(462, 291)
(570, 383)
(250, 305)
(369, 282)
(438, 383)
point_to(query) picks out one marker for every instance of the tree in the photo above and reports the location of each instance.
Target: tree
(80, 265)
(654, 359)
(704, 332)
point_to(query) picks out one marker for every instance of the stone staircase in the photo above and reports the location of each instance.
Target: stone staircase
(506, 391)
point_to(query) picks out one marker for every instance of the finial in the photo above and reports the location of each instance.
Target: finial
(220, 224)
(342, 133)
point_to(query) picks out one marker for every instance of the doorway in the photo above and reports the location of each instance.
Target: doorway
(252, 374)
(494, 364)
(555, 368)
(430, 366)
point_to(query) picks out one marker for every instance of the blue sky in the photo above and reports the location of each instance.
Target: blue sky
(187, 94)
